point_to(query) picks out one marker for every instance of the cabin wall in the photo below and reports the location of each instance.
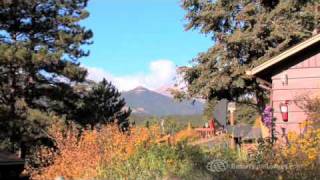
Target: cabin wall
(303, 79)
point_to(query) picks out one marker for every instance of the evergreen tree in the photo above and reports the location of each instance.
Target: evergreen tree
(40, 45)
(245, 34)
(208, 110)
(245, 113)
(103, 104)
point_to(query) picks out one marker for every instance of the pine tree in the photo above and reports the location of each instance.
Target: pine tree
(103, 104)
(40, 45)
(245, 33)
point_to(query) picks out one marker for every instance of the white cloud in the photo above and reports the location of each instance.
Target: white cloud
(161, 73)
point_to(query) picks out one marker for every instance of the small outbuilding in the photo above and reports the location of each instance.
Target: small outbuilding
(11, 165)
(288, 76)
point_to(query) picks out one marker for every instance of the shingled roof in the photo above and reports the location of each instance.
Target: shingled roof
(246, 132)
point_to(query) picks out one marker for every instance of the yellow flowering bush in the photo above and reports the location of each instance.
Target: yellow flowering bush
(304, 149)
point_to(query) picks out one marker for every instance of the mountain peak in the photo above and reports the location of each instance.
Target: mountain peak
(144, 101)
(140, 89)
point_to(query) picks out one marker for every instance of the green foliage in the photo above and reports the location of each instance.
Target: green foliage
(246, 114)
(311, 106)
(245, 34)
(158, 162)
(222, 153)
(140, 120)
(171, 126)
(40, 44)
(208, 109)
(273, 163)
(41, 77)
(101, 105)
(181, 120)
(264, 155)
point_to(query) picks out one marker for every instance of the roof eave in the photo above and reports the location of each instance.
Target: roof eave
(284, 55)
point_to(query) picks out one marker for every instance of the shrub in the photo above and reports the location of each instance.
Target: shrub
(311, 105)
(81, 154)
(108, 153)
(303, 151)
(298, 160)
(187, 135)
(157, 161)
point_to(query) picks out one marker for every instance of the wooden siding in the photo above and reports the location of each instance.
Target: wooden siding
(303, 79)
(311, 62)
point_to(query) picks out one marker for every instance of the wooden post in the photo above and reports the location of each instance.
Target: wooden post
(232, 108)
(232, 143)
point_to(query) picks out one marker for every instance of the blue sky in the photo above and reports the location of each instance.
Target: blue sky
(136, 41)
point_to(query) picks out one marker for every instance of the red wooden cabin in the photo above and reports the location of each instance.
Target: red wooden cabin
(288, 76)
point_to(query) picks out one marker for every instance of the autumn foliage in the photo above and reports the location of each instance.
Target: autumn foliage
(81, 154)
(304, 149)
(108, 153)
(187, 134)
